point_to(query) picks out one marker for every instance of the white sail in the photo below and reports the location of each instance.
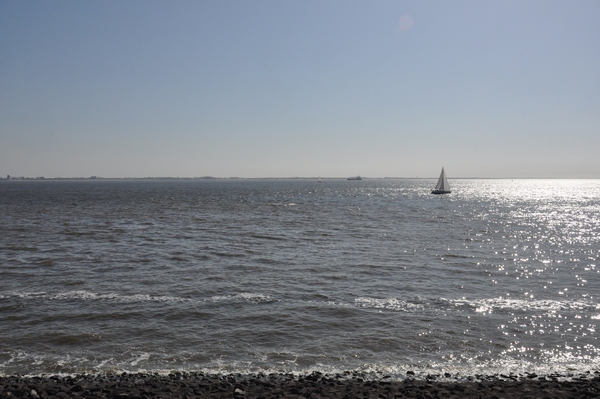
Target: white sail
(442, 186)
(442, 182)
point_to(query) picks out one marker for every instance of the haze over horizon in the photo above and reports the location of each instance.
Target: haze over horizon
(498, 89)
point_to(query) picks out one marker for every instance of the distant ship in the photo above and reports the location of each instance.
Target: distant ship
(442, 186)
(355, 178)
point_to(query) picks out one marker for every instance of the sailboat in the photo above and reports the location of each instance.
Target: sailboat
(442, 186)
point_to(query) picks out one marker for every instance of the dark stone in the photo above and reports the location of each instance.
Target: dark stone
(76, 388)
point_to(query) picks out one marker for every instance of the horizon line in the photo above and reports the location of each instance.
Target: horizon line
(42, 178)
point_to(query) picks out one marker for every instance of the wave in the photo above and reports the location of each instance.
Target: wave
(158, 362)
(267, 237)
(487, 305)
(92, 296)
(389, 304)
(83, 295)
(418, 304)
(242, 297)
(483, 305)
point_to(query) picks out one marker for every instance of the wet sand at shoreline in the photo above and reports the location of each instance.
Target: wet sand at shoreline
(315, 385)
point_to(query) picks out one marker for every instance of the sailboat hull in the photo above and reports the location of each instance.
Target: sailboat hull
(440, 192)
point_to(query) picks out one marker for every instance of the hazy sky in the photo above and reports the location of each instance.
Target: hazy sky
(300, 88)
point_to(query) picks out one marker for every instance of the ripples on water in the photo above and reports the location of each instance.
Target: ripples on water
(291, 275)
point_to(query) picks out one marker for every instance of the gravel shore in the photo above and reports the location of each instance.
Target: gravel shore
(316, 385)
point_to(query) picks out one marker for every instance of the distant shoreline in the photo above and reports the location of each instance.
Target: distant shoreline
(96, 178)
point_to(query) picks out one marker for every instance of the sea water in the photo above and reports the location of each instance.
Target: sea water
(249, 276)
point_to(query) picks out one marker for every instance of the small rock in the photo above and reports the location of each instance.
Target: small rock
(76, 388)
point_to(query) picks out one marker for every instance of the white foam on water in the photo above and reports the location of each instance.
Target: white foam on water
(94, 296)
(40, 294)
(388, 304)
(455, 368)
(244, 296)
(103, 363)
(140, 358)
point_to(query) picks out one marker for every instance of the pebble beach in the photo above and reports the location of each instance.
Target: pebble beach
(315, 385)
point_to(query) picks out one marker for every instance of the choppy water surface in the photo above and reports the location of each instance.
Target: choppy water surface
(295, 276)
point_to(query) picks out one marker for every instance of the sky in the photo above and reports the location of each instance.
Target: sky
(300, 88)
